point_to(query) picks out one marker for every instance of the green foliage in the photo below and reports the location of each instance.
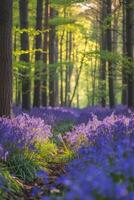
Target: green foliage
(63, 127)
(61, 21)
(49, 152)
(58, 65)
(66, 156)
(105, 55)
(8, 185)
(30, 31)
(23, 165)
(66, 2)
(30, 51)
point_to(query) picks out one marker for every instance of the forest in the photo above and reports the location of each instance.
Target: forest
(66, 99)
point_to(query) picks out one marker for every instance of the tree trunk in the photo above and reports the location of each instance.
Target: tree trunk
(70, 65)
(18, 77)
(79, 74)
(109, 48)
(61, 68)
(38, 54)
(45, 56)
(94, 77)
(56, 72)
(115, 44)
(130, 50)
(103, 61)
(17, 74)
(124, 71)
(67, 68)
(5, 57)
(52, 68)
(24, 58)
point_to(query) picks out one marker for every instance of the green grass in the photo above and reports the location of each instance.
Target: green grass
(63, 127)
(23, 165)
(8, 184)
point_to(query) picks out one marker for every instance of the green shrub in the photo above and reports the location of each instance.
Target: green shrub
(23, 165)
(49, 152)
(9, 187)
(63, 127)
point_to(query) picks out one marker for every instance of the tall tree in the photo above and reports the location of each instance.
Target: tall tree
(44, 99)
(103, 48)
(52, 68)
(5, 57)
(68, 66)
(130, 49)
(109, 48)
(24, 58)
(124, 70)
(56, 44)
(61, 67)
(115, 36)
(38, 53)
(67, 69)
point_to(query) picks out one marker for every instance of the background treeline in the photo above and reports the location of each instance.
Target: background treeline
(67, 52)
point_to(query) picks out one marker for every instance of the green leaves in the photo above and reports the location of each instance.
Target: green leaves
(30, 31)
(61, 21)
(63, 127)
(66, 2)
(23, 165)
(8, 182)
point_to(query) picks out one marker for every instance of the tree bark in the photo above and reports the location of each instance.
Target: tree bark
(38, 54)
(109, 48)
(52, 68)
(24, 58)
(56, 71)
(115, 35)
(130, 49)
(5, 57)
(67, 68)
(79, 73)
(124, 71)
(61, 68)
(103, 61)
(44, 95)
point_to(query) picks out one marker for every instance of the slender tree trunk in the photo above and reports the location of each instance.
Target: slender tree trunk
(5, 57)
(115, 43)
(44, 95)
(94, 79)
(79, 73)
(130, 49)
(38, 54)
(124, 73)
(67, 68)
(78, 94)
(103, 61)
(52, 37)
(17, 76)
(70, 65)
(56, 71)
(109, 48)
(24, 58)
(61, 68)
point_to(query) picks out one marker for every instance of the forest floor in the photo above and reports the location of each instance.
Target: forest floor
(67, 154)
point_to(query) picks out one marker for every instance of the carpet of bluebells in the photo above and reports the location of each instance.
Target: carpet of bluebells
(67, 154)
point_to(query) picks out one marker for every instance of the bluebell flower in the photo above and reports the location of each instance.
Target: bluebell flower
(35, 191)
